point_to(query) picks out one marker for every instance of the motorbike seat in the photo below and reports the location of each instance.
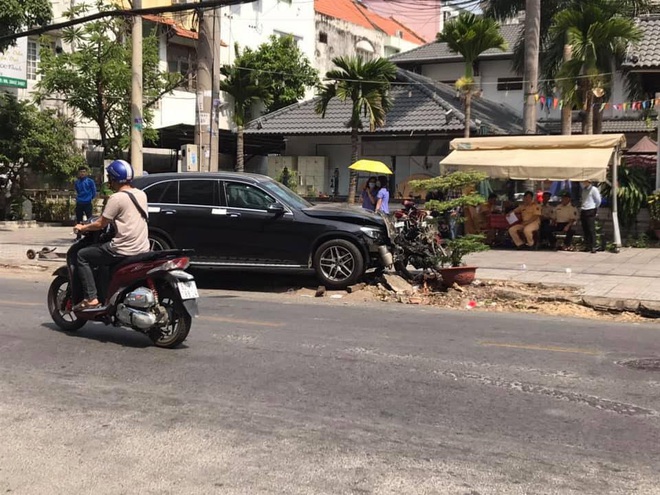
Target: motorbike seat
(149, 256)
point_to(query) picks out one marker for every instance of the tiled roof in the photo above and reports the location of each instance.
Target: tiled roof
(419, 105)
(646, 53)
(356, 13)
(440, 51)
(610, 126)
(176, 29)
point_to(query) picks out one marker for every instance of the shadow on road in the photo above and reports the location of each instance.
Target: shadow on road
(252, 281)
(108, 335)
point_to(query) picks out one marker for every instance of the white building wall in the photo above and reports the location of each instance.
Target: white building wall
(492, 70)
(251, 24)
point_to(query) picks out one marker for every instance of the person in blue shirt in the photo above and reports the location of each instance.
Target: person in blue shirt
(85, 194)
(383, 196)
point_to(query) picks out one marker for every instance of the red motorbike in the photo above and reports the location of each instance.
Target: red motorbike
(151, 293)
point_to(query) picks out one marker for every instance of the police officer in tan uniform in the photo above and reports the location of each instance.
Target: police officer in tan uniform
(530, 214)
(565, 216)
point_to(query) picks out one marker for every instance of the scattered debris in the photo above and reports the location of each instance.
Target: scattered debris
(320, 291)
(398, 284)
(457, 287)
(355, 288)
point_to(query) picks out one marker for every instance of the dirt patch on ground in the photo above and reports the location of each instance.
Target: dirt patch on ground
(487, 295)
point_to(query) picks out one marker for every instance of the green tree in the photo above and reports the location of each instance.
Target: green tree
(598, 38)
(282, 69)
(35, 140)
(240, 82)
(95, 77)
(470, 35)
(15, 15)
(366, 85)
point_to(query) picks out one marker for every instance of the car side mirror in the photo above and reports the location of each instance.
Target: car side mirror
(276, 209)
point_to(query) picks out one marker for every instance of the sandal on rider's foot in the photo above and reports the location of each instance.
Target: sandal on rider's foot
(86, 305)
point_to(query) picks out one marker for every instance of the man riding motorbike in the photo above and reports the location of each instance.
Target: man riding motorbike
(126, 209)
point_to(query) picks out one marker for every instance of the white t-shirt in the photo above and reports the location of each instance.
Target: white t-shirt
(132, 231)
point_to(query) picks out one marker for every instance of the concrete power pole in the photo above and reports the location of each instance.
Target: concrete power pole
(137, 122)
(532, 40)
(208, 81)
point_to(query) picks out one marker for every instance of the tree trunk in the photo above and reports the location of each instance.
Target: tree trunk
(240, 154)
(567, 109)
(589, 116)
(352, 187)
(468, 111)
(531, 76)
(598, 121)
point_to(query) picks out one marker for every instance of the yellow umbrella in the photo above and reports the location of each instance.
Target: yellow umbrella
(372, 166)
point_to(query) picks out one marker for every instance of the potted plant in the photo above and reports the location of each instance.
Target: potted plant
(452, 267)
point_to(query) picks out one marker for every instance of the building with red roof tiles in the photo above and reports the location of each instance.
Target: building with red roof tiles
(349, 28)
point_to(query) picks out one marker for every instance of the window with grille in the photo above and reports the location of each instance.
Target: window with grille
(32, 59)
(509, 84)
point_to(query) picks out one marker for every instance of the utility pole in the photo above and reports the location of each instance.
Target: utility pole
(208, 81)
(657, 156)
(532, 40)
(137, 122)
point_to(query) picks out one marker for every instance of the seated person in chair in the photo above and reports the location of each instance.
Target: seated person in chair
(530, 214)
(547, 215)
(565, 216)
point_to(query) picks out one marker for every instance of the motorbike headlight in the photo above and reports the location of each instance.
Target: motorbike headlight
(372, 232)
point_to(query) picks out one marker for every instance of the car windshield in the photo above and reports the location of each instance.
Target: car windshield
(286, 194)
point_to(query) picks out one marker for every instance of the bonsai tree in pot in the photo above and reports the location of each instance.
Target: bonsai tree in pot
(451, 258)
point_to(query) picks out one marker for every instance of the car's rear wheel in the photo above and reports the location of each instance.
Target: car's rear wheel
(338, 263)
(157, 243)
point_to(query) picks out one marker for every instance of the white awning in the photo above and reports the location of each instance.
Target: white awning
(535, 157)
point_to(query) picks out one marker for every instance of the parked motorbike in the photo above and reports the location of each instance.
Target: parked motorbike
(416, 238)
(151, 293)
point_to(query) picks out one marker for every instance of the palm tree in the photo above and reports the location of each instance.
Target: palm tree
(598, 38)
(242, 85)
(531, 70)
(366, 85)
(555, 50)
(471, 35)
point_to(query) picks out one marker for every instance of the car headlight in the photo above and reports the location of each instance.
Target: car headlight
(373, 232)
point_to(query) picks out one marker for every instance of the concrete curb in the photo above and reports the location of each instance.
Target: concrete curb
(648, 309)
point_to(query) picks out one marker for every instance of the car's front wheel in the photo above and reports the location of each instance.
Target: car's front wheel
(338, 263)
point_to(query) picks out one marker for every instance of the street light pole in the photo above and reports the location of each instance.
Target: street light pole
(137, 122)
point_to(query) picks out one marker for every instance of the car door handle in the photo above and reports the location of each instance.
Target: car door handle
(168, 212)
(233, 215)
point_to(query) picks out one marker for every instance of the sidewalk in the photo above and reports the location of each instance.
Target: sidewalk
(633, 274)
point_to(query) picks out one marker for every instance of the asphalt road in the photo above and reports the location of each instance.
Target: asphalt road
(273, 394)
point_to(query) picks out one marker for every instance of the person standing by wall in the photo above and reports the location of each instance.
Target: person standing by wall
(383, 196)
(589, 210)
(85, 194)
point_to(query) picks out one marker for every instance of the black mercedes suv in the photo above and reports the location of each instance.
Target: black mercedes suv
(250, 221)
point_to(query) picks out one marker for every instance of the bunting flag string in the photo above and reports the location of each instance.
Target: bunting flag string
(552, 102)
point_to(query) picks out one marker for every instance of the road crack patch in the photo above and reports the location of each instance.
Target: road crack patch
(530, 388)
